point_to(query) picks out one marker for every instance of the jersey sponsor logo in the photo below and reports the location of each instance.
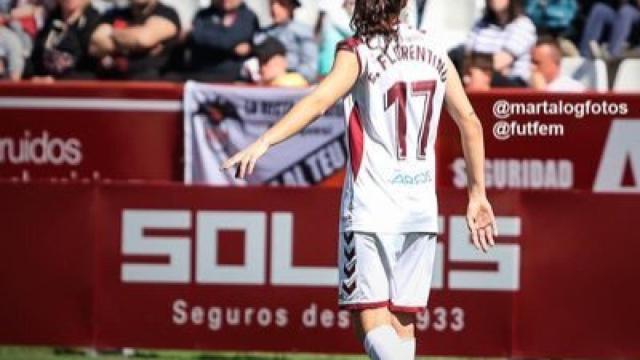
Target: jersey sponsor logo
(404, 179)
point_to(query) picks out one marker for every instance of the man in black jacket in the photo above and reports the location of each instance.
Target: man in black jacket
(134, 43)
(221, 41)
(61, 49)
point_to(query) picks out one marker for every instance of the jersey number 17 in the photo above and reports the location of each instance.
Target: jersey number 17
(397, 95)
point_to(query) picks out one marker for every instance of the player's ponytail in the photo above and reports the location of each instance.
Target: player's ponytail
(377, 17)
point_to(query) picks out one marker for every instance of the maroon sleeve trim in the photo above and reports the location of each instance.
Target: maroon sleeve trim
(351, 44)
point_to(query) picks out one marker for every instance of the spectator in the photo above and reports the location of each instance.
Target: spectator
(302, 50)
(135, 42)
(620, 22)
(556, 18)
(508, 35)
(335, 23)
(552, 17)
(546, 58)
(478, 72)
(272, 55)
(12, 55)
(26, 17)
(18, 23)
(221, 40)
(186, 10)
(61, 48)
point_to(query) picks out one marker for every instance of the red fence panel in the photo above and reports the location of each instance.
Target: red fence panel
(47, 264)
(91, 131)
(550, 141)
(579, 277)
(88, 130)
(168, 266)
(254, 269)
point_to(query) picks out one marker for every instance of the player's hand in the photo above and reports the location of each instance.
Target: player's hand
(481, 222)
(246, 159)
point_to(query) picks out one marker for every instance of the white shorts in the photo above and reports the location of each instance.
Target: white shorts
(385, 270)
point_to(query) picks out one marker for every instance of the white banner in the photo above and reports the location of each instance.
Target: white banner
(221, 120)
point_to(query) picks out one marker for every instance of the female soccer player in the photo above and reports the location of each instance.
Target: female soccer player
(396, 79)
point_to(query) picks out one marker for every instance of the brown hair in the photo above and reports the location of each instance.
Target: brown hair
(554, 44)
(514, 10)
(481, 61)
(377, 17)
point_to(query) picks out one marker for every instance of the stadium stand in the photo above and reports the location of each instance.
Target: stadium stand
(592, 73)
(452, 18)
(627, 76)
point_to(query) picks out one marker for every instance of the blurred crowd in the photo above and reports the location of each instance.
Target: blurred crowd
(512, 43)
(522, 44)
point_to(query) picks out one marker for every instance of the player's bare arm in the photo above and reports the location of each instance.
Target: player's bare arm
(480, 218)
(339, 81)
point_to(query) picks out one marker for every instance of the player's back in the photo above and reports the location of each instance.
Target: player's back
(392, 117)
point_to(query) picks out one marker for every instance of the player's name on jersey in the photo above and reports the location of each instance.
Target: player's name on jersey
(411, 52)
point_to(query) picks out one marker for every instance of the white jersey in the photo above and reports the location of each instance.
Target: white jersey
(392, 116)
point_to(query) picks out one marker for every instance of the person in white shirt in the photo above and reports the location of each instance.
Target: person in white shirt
(507, 34)
(546, 57)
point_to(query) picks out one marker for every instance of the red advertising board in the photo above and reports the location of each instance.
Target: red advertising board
(119, 131)
(91, 131)
(166, 266)
(550, 141)
(46, 266)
